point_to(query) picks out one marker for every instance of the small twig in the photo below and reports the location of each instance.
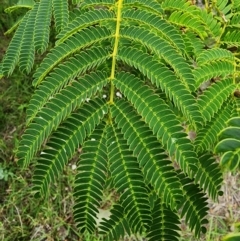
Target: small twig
(19, 216)
(237, 201)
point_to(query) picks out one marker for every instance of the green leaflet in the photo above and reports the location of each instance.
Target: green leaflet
(229, 144)
(230, 161)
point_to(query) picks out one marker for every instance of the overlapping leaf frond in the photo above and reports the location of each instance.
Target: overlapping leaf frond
(235, 4)
(43, 20)
(88, 4)
(116, 226)
(87, 19)
(11, 57)
(214, 54)
(157, 170)
(165, 224)
(209, 175)
(63, 143)
(143, 89)
(60, 13)
(151, 6)
(55, 111)
(231, 38)
(181, 5)
(195, 205)
(211, 24)
(235, 20)
(163, 28)
(192, 18)
(193, 45)
(32, 35)
(73, 45)
(128, 180)
(21, 4)
(155, 112)
(90, 180)
(229, 144)
(207, 136)
(229, 13)
(188, 21)
(164, 78)
(64, 74)
(213, 69)
(214, 97)
(224, 9)
(155, 44)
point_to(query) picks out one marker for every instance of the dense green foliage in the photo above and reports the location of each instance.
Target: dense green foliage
(143, 89)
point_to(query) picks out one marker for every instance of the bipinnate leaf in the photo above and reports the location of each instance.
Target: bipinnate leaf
(143, 95)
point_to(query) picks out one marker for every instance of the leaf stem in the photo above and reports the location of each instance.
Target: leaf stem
(115, 49)
(206, 5)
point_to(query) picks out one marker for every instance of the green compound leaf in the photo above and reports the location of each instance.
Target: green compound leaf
(129, 181)
(228, 144)
(90, 180)
(63, 143)
(144, 94)
(157, 170)
(230, 161)
(116, 226)
(165, 225)
(194, 205)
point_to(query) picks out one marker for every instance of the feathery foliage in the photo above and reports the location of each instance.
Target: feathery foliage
(147, 91)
